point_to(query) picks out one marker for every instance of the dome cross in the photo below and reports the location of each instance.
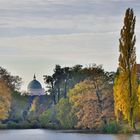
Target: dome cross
(34, 77)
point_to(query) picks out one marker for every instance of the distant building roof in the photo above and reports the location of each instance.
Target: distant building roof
(35, 88)
(34, 84)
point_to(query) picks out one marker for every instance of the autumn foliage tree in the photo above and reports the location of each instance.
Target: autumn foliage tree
(13, 82)
(8, 84)
(125, 85)
(5, 100)
(87, 108)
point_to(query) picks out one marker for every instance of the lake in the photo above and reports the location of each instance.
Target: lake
(42, 134)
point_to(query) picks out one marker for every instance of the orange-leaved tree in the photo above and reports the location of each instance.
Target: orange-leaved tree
(5, 100)
(85, 103)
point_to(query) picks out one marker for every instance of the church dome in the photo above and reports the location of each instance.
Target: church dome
(35, 88)
(34, 84)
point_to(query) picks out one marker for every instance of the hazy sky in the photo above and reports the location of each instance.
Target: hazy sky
(37, 34)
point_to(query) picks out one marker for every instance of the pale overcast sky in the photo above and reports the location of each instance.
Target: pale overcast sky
(37, 34)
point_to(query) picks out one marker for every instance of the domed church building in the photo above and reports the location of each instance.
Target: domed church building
(34, 88)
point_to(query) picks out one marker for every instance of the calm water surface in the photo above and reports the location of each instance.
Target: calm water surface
(39, 134)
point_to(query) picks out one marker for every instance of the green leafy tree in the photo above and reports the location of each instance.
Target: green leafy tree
(49, 80)
(65, 114)
(48, 118)
(66, 78)
(58, 72)
(45, 118)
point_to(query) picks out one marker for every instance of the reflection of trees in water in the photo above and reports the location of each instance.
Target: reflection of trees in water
(124, 137)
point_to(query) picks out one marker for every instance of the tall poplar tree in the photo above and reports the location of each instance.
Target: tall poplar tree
(125, 85)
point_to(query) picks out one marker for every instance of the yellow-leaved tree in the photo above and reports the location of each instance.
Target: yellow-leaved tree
(125, 85)
(5, 100)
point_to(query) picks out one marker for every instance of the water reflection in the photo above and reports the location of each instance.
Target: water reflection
(40, 134)
(124, 137)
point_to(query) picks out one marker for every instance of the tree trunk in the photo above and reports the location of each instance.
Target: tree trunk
(133, 127)
(131, 95)
(100, 102)
(65, 89)
(58, 89)
(53, 94)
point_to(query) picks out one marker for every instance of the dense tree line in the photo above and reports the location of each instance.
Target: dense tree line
(65, 78)
(81, 89)
(84, 98)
